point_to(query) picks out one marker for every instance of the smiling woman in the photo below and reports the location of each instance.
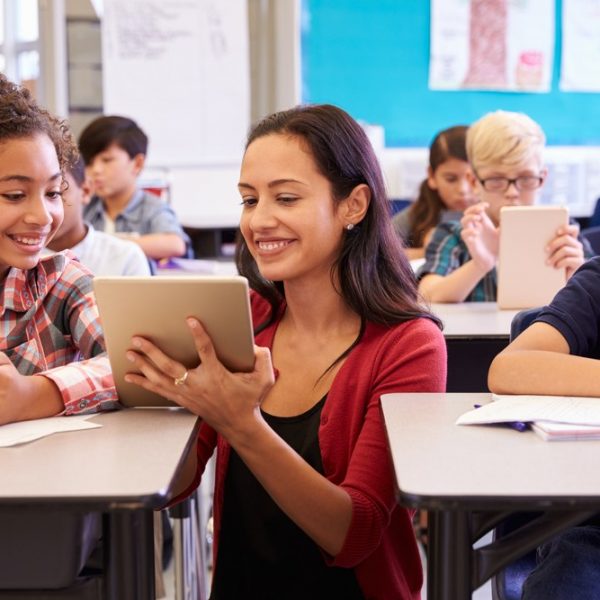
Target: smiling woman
(40, 352)
(304, 485)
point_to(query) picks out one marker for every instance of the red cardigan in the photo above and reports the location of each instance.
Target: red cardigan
(380, 545)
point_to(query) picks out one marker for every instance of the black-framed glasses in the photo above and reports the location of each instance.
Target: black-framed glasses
(501, 184)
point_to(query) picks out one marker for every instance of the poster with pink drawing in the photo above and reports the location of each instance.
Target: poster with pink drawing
(499, 45)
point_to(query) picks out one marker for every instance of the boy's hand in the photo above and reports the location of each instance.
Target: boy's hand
(481, 236)
(565, 251)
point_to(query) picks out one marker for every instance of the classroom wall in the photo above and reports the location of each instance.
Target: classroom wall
(372, 58)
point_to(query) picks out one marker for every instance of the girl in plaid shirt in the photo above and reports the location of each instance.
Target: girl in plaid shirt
(52, 354)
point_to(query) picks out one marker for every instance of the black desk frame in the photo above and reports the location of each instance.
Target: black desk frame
(455, 568)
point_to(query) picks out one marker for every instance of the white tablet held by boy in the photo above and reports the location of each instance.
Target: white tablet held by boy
(524, 278)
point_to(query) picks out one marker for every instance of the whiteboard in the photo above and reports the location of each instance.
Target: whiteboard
(180, 69)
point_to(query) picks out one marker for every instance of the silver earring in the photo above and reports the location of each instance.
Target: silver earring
(350, 226)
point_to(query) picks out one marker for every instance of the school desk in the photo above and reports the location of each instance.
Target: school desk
(475, 332)
(125, 469)
(471, 478)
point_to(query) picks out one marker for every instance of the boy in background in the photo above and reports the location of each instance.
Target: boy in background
(114, 150)
(103, 254)
(505, 151)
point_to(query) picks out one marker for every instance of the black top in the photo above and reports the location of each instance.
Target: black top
(575, 311)
(262, 552)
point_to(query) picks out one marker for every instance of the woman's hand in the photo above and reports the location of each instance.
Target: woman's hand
(565, 251)
(481, 236)
(228, 402)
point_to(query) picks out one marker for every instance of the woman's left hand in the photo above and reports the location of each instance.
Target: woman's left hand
(228, 402)
(565, 251)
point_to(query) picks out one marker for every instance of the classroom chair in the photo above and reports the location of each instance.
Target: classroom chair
(592, 235)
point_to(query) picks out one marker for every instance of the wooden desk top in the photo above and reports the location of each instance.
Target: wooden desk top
(132, 458)
(474, 319)
(439, 464)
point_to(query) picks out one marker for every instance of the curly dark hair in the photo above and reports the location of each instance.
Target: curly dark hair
(21, 116)
(375, 277)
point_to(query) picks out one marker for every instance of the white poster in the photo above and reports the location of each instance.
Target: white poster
(180, 69)
(501, 45)
(580, 70)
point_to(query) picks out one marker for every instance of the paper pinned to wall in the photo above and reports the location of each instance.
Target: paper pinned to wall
(181, 70)
(580, 70)
(491, 45)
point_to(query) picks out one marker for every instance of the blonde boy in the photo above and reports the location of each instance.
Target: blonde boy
(505, 150)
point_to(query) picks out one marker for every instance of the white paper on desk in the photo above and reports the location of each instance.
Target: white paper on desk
(27, 431)
(556, 409)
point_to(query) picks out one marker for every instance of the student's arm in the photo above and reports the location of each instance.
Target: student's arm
(454, 287)
(162, 235)
(160, 245)
(25, 397)
(539, 362)
(86, 385)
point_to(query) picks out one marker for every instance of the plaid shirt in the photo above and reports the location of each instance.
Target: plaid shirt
(446, 252)
(50, 326)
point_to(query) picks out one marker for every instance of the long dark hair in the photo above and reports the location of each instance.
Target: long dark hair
(375, 278)
(426, 210)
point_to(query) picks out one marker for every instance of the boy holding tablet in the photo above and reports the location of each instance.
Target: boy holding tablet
(505, 151)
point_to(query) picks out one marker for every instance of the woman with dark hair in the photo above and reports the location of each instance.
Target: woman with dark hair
(444, 194)
(304, 491)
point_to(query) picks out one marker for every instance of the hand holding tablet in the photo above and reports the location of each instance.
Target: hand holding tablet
(156, 308)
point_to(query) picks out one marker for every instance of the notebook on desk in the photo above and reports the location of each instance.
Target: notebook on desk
(157, 308)
(524, 278)
(554, 432)
(551, 417)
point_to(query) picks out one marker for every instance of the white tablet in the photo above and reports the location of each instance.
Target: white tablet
(156, 308)
(524, 278)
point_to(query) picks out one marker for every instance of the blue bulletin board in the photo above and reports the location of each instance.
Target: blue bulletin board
(371, 57)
